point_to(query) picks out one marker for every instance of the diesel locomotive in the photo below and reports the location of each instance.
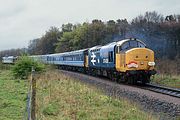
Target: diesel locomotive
(127, 60)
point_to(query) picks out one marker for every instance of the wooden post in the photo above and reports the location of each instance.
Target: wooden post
(33, 102)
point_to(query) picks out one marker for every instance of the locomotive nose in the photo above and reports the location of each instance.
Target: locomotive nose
(140, 59)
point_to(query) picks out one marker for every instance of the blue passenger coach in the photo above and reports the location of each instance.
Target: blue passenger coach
(73, 58)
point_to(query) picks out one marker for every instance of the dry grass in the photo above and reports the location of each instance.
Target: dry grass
(61, 97)
(168, 67)
(168, 73)
(167, 80)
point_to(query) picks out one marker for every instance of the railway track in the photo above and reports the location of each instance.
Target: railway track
(174, 92)
(157, 101)
(162, 89)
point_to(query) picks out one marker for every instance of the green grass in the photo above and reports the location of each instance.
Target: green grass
(12, 97)
(60, 97)
(167, 80)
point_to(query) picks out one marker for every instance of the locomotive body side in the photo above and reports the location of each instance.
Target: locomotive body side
(94, 58)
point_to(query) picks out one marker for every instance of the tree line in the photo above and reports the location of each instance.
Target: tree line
(162, 34)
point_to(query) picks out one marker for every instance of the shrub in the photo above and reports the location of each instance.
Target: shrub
(23, 67)
(168, 67)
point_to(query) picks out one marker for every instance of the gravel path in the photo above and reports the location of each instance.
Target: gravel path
(166, 107)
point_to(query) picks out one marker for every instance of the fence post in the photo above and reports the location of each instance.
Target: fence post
(33, 102)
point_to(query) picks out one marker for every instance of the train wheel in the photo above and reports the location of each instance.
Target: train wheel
(131, 80)
(146, 79)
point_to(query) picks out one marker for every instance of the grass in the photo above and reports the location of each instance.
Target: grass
(167, 80)
(168, 72)
(60, 97)
(12, 96)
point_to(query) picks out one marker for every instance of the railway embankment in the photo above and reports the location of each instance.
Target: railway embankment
(63, 96)
(164, 106)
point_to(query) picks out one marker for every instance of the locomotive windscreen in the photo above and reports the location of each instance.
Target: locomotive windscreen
(132, 44)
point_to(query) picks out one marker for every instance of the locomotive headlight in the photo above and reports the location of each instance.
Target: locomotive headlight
(151, 63)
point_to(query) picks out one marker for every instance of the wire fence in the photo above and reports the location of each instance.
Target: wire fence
(29, 113)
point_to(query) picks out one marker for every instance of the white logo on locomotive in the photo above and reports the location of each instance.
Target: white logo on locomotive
(93, 56)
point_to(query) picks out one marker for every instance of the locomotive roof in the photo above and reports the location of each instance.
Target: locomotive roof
(109, 46)
(95, 47)
(113, 44)
(119, 43)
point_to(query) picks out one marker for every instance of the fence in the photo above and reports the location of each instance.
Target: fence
(31, 99)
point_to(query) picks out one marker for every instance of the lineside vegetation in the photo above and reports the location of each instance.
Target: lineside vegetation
(23, 67)
(13, 96)
(167, 80)
(167, 73)
(62, 97)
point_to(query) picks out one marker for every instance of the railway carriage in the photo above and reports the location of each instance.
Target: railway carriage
(9, 59)
(74, 60)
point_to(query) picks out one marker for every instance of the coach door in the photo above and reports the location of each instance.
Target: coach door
(86, 58)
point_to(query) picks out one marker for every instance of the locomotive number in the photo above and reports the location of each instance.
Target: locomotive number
(105, 60)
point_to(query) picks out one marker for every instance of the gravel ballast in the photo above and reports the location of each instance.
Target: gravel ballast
(166, 107)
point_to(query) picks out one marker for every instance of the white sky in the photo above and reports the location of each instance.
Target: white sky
(24, 20)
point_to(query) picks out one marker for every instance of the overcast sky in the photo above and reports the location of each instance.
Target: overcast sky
(24, 20)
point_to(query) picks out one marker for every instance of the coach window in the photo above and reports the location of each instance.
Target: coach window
(81, 57)
(74, 58)
(110, 56)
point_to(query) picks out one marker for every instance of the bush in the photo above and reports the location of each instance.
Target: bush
(168, 67)
(23, 67)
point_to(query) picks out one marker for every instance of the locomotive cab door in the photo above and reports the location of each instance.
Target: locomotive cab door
(120, 59)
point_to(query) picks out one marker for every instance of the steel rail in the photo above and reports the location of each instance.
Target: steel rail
(162, 89)
(174, 92)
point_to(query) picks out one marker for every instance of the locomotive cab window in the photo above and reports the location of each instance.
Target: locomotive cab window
(125, 46)
(132, 44)
(141, 45)
(110, 56)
